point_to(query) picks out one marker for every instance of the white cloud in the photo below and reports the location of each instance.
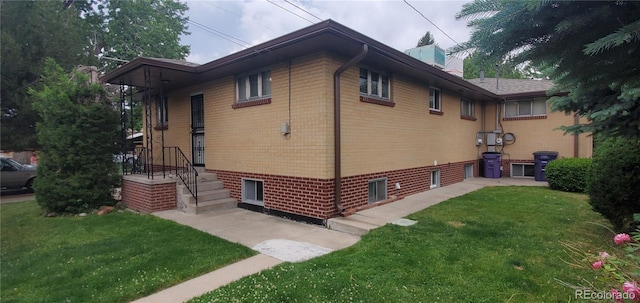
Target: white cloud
(391, 22)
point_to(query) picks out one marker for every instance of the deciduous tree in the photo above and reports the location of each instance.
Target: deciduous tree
(76, 33)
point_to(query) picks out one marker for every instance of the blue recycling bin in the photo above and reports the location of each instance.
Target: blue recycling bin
(540, 160)
(492, 164)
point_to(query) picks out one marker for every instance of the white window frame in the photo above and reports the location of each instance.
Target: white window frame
(435, 178)
(468, 171)
(435, 100)
(467, 108)
(377, 183)
(380, 84)
(520, 107)
(252, 200)
(523, 175)
(162, 111)
(247, 86)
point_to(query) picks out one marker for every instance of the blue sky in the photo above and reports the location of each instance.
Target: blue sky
(391, 22)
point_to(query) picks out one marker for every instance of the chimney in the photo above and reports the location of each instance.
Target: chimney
(481, 76)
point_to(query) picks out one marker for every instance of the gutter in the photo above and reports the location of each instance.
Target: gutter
(337, 148)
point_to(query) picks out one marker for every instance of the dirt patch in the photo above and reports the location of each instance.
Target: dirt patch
(456, 224)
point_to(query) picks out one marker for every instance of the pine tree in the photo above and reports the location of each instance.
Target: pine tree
(592, 46)
(78, 136)
(427, 39)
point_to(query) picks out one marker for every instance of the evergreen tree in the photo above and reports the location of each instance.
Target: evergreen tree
(473, 66)
(427, 39)
(592, 46)
(78, 135)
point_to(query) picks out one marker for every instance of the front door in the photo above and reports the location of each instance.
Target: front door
(197, 130)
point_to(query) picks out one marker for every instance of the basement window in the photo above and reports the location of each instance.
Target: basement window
(253, 191)
(468, 171)
(523, 170)
(435, 178)
(377, 190)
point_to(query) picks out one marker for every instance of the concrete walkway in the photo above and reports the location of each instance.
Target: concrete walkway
(253, 229)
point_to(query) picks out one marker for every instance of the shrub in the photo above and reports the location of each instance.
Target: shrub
(78, 136)
(613, 183)
(569, 174)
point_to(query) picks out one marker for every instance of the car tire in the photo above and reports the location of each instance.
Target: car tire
(29, 185)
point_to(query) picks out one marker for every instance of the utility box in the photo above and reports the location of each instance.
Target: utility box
(540, 160)
(492, 164)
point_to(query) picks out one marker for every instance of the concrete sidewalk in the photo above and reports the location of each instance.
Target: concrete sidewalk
(251, 228)
(363, 221)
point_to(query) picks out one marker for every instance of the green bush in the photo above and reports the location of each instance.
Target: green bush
(569, 174)
(78, 136)
(614, 182)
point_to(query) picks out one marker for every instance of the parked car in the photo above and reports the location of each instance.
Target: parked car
(14, 175)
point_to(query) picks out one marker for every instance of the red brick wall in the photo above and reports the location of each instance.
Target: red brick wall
(314, 197)
(147, 198)
(310, 197)
(413, 180)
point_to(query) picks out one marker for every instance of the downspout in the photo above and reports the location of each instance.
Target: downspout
(337, 148)
(576, 137)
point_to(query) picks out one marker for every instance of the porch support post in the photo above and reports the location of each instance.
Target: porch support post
(148, 123)
(123, 125)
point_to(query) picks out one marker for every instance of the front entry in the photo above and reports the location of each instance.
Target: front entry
(197, 130)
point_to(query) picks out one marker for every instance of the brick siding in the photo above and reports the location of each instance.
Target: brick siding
(314, 197)
(146, 198)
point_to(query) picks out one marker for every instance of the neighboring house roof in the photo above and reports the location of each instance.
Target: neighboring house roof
(514, 87)
(328, 35)
(135, 136)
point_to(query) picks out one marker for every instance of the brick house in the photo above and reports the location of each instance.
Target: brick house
(324, 120)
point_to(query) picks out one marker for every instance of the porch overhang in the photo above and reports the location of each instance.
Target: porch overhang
(328, 36)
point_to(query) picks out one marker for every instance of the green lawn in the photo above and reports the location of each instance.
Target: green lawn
(113, 258)
(498, 244)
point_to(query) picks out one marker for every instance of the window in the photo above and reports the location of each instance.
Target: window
(435, 102)
(435, 178)
(522, 170)
(467, 108)
(162, 108)
(520, 108)
(373, 83)
(377, 190)
(253, 86)
(468, 171)
(252, 191)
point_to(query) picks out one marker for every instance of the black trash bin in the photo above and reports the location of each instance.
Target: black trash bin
(492, 164)
(540, 160)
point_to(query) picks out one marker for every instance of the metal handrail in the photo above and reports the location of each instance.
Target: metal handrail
(136, 163)
(184, 170)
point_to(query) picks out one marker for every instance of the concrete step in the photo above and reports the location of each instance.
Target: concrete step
(202, 187)
(207, 177)
(209, 195)
(350, 226)
(213, 205)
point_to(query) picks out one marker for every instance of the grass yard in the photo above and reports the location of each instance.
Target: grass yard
(498, 244)
(113, 258)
